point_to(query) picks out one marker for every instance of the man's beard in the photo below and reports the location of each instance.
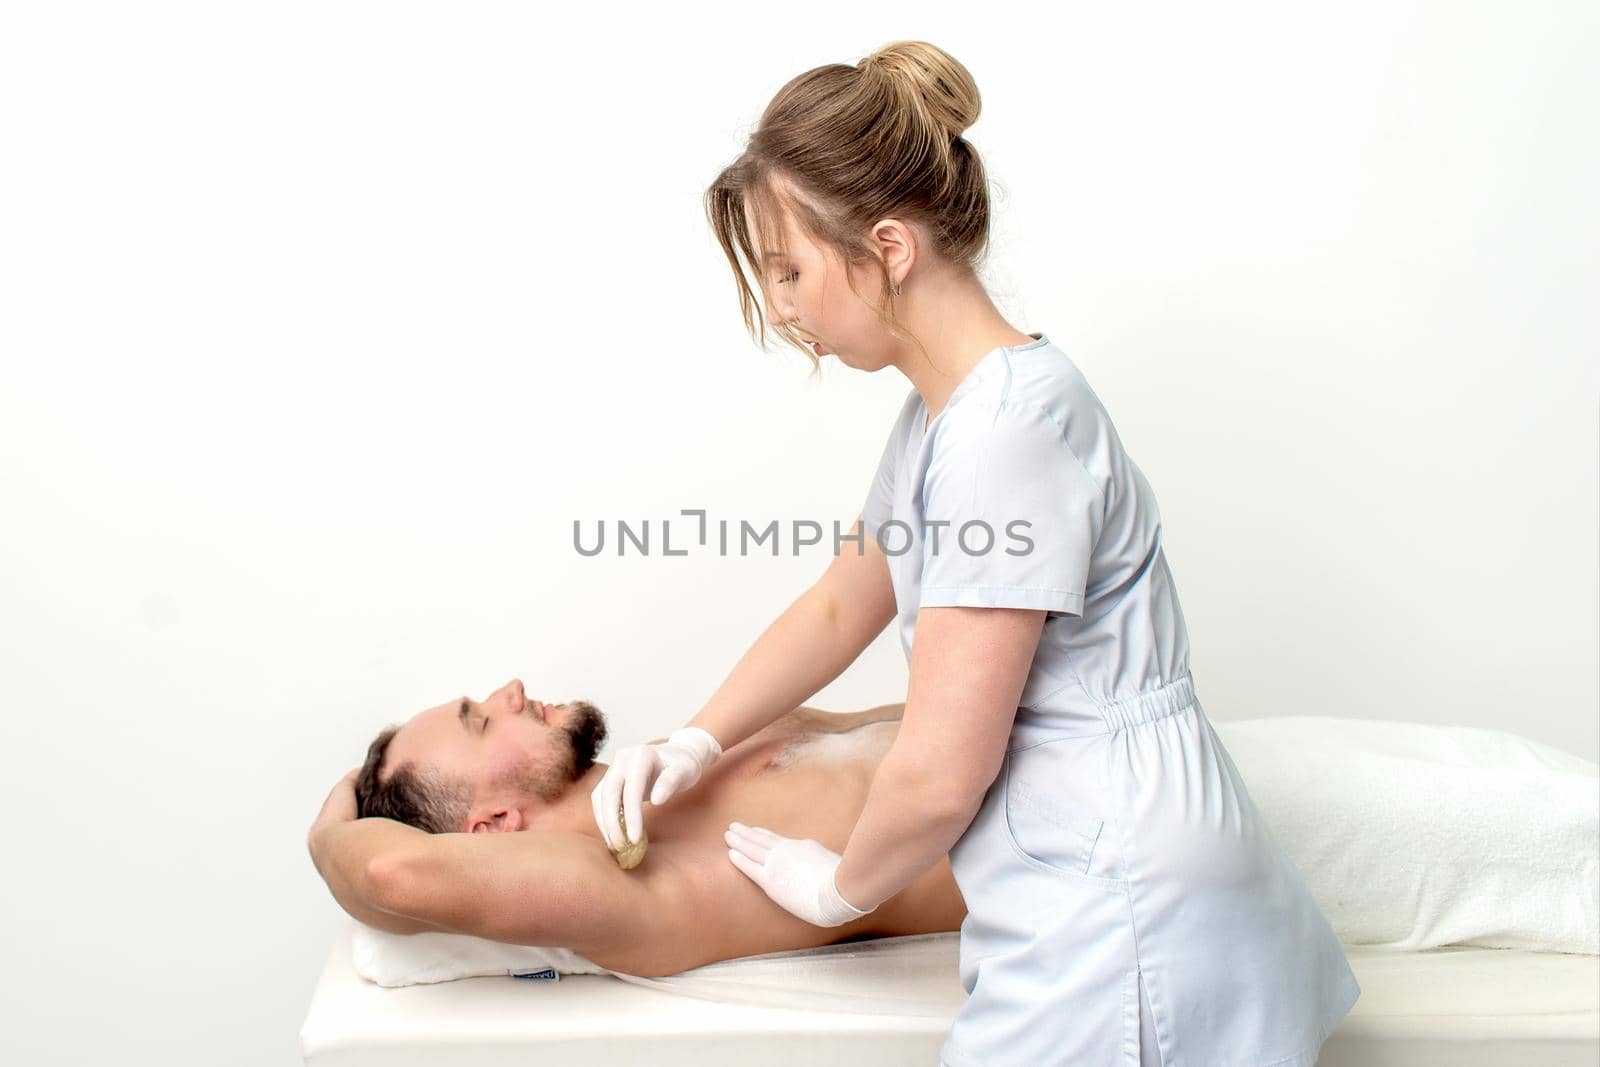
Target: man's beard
(587, 729)
(584, 732)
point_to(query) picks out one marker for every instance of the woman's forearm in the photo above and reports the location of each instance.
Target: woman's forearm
(906, 827)
(803, 650)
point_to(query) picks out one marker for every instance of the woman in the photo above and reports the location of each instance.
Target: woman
(1126, 902)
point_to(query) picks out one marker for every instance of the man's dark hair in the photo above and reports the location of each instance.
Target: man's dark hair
(416, 798)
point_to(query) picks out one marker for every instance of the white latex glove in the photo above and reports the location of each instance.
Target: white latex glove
(661, 770)
(797, 873)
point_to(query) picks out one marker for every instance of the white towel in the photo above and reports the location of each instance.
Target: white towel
(1413, 836)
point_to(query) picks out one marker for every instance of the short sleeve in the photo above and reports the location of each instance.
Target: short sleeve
(879, 505)
(1011, 515)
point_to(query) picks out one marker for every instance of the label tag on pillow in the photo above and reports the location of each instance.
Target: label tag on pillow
(544, 974)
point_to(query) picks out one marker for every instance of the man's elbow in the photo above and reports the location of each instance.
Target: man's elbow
(398, 886)
(384, 884)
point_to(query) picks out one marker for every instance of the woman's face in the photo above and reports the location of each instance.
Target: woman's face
(810, 290)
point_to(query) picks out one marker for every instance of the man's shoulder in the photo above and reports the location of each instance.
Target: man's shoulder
(847, 720)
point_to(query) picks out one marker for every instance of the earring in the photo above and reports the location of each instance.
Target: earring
(895, 290)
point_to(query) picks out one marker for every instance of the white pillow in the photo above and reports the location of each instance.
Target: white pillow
(915, 974)
(438, 956)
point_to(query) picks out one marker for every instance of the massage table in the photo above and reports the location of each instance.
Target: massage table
(1444, 1007)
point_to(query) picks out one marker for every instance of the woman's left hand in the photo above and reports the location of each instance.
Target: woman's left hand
(796, 873)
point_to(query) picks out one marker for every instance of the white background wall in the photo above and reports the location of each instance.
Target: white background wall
(321, 323)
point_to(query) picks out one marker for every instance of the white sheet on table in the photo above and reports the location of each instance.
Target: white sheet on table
(1414, 836)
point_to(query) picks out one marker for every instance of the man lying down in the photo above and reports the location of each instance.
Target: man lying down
(475, 817)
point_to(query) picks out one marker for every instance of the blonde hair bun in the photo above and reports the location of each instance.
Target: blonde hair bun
(939, 86)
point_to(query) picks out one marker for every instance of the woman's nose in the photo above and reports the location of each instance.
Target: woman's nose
(778, 312)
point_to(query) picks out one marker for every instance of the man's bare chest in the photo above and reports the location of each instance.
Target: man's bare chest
(799, 783)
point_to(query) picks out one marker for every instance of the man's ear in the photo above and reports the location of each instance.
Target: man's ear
(495, 821)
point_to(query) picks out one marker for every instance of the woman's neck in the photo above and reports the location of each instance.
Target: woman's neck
(958, 325)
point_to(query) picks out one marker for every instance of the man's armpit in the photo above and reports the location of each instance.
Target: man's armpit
(644, 915)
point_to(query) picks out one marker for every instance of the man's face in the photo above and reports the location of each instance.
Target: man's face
(516, 755)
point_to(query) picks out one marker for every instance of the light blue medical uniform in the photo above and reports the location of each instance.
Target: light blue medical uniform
(1126, 903)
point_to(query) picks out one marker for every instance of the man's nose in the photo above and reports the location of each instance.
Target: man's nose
(513, 695)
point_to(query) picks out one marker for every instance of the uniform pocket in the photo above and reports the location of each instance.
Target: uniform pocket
(1044, 825)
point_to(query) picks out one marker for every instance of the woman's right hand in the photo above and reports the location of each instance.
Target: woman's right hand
(661, 770)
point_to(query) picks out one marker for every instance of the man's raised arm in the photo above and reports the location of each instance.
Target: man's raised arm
(347, 853)
(345, 849)
(551, 888)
